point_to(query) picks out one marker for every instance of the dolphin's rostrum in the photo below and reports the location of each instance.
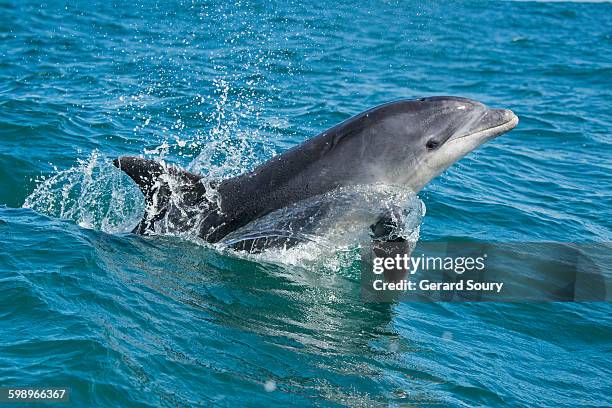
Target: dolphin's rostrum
(404, 143)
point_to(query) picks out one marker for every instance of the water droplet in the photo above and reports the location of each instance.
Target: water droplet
(270, 386)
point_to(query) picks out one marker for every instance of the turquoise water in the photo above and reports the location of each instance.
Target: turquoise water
(218, 87)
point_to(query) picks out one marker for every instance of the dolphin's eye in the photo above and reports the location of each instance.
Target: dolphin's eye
(432, 144)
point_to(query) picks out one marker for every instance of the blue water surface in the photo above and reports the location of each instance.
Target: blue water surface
(219, 87)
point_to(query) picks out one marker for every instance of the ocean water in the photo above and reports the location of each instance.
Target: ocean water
(218, 87)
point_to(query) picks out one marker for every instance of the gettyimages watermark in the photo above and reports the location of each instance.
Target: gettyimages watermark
(481, 271)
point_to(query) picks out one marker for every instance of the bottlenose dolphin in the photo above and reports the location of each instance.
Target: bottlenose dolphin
(403, 143)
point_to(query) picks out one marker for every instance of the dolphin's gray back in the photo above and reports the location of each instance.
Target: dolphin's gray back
(312, 168)
(335, 158)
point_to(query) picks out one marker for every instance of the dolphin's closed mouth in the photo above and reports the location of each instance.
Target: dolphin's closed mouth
(511, 121)
(506, 126)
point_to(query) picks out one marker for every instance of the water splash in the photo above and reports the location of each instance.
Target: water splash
(229, 147)
(93, 194)
(331, 226)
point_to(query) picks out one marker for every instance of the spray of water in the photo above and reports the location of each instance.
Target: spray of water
(93, 194)
(328, 225)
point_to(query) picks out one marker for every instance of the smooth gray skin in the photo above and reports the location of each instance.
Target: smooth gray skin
(404, 143)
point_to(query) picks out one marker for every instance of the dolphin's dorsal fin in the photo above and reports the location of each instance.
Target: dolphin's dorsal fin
(161, 184)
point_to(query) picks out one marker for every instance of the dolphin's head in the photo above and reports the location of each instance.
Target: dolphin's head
(426, 136)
